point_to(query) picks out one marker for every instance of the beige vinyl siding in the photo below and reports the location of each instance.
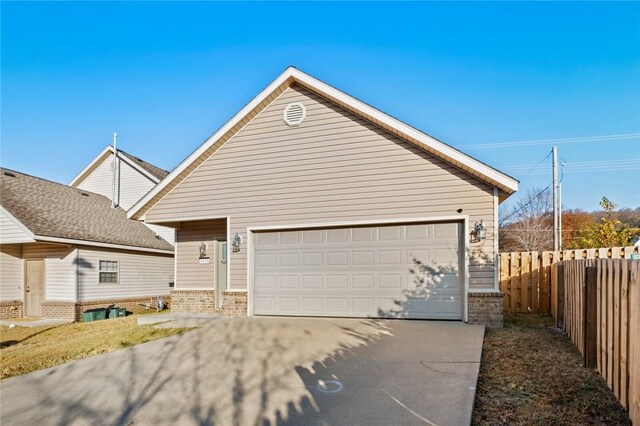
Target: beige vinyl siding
(133, 184)
(168, 234)
(11, 272)
(60, 266)
(140, 274)
(335, 167)
(10, 232)
(190, 273)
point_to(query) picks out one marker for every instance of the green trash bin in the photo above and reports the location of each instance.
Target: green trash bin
(117, 312)
(94, 314)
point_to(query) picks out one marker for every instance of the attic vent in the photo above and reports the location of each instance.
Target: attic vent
(84, 194)
(294, 114)
(9, 174)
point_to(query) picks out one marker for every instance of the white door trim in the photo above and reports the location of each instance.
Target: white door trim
(430, 219)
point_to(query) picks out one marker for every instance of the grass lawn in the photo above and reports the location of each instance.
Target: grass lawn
(24, 349)
(532, 374)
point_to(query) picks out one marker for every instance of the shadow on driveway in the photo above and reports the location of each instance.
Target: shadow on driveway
(252, 371)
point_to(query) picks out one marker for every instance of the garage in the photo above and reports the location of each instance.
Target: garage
(406, 270)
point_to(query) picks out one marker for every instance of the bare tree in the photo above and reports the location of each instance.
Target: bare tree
(528, 224)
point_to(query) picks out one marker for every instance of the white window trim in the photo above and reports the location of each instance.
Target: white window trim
(117, 281)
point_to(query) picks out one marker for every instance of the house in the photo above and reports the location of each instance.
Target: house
(65, 249)
(135, 177)
(310, 202)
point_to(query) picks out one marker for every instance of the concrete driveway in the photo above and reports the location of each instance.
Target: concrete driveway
(265, 370)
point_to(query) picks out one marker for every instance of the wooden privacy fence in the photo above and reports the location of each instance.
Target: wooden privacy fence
(599, 308)
(529, 279)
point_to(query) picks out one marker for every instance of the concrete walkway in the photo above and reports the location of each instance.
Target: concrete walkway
(34, 322)
(255, 370)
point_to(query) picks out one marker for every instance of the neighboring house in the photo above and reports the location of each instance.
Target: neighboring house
(333, 208)
(66, 249)
(134, 179)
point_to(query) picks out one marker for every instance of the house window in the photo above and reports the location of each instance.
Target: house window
(108, 271)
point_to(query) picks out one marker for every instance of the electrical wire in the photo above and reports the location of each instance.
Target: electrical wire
(601, 138)
(527, 204)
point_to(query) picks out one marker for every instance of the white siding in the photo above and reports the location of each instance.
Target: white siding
(169, 234)
(10, 232)
(140, 274)
(11, 274)
(190, 273)
(60, 265)
(335, 167)
(133, 184)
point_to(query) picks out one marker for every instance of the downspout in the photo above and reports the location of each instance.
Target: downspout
(114, 204)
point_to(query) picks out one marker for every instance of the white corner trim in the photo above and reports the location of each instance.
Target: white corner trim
(19, 224)
(98, 244)
(496, 240)
(292, 75)
(467, 253)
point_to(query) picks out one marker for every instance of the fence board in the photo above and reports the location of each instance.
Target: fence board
(624, 332)
(634, 343)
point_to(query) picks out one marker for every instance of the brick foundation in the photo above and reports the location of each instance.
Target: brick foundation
(73, 311)
(194, 301)
(486, 308)
(234, 303)
(10, 310)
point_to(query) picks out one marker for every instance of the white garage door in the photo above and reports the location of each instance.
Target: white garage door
(402, 271)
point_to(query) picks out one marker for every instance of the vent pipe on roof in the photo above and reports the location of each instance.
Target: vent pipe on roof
(114, 169)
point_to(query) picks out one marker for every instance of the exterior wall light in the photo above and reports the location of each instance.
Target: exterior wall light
(235, 244)
(479, 232)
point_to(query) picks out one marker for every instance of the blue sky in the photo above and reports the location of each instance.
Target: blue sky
(166, 75)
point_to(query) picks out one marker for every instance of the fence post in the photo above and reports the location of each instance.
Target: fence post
(591, 318)
(559, 278)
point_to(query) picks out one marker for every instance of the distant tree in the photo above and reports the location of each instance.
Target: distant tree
(528, 225)
(574, 224)
(608, 231)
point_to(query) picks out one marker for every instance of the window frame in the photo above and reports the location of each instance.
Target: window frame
(100, 271)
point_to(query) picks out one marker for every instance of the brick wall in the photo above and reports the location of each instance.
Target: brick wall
(10, 310)
(234, 303)
(486, 308)
(73, 311)
(193, 301)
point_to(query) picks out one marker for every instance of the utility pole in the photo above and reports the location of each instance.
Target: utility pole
(556, 201)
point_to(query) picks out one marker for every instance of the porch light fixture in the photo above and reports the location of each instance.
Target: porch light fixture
(479, 232)
(235, 244)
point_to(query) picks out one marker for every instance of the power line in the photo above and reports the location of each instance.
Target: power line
(600, 138)
(527, 204)
(536, 166)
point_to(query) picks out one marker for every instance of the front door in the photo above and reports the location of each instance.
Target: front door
(34, 291)
(221, 274)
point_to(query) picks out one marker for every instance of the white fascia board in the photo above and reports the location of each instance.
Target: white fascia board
(211, 140)
(19, 224)
(323, 88)
(47, 239)
(76, 180)
(138, 168)
(411, 132)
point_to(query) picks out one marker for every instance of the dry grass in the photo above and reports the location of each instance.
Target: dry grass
(24, 349)
(531, 374)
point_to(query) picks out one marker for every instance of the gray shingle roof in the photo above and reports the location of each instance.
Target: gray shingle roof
(154, 170)
(55, 210)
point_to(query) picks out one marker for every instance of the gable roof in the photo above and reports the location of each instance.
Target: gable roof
(55, 212)
(505, 184)
(154, 173)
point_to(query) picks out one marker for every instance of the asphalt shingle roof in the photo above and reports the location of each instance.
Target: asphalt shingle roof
(55, 210)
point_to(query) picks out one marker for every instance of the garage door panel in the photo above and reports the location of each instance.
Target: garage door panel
(360, 272)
